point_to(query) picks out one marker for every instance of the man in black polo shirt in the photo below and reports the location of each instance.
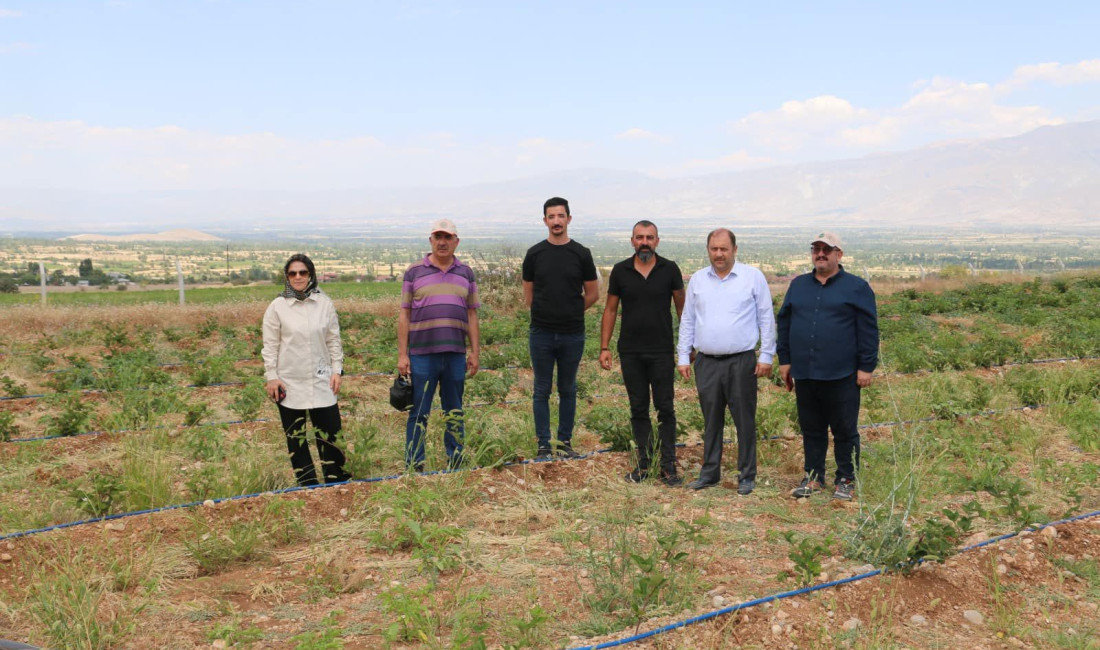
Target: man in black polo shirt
(646, 285)
(559, 283)
(828, 350)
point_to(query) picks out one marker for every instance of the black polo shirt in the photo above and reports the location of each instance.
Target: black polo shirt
(558, 273)
(646, 304)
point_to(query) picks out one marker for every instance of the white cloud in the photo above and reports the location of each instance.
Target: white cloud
(642, 134)
(828, 126)
(797, 123)
(1058, 74)
(10, 13)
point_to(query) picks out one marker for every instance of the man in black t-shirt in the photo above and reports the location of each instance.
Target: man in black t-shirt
(647, 285)
(559, 283)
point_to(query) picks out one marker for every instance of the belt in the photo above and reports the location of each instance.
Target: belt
(720, 357)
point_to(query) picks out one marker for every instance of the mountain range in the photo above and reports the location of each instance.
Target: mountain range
(1047, 178)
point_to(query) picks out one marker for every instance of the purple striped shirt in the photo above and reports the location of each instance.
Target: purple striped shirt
(438, 301)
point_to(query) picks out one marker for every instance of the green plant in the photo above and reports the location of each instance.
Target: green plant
(806, 554)
(8, 428)
(73, 417)
(249, 400)
(612, 425)
(424, 615)
(327, 637)
(527, 630)
(12, 388)
(195, 412)
(97, 495)
(1011, 495)
(232, 633)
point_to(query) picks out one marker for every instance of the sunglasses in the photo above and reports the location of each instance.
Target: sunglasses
(821, 248)
(299, 274)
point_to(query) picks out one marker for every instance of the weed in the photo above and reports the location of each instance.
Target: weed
(68, 602)
(195, 412)
(214, 550)
(1011, 494)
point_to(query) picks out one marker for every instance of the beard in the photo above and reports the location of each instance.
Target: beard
(645, 254)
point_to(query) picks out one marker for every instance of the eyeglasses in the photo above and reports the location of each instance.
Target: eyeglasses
(822, 248)
(300, 274)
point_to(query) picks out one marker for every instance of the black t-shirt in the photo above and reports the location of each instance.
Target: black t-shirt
(646, 305)
(558, 272)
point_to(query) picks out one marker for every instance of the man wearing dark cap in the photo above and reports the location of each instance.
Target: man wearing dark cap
(439, 303)
(828, 350)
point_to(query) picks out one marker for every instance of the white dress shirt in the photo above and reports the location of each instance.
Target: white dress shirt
(302, 348)
(727, 315)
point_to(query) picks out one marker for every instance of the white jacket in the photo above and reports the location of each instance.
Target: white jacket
(302, 348)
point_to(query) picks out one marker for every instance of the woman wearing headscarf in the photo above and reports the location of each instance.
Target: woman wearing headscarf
(303, 360)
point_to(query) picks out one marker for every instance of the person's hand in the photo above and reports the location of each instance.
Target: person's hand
(272, 388)
(685, 371)
(785, 375)
(473, 364)
(605, 359)
(763, 370)
(403, 365)
(334, 383)
(864, 379)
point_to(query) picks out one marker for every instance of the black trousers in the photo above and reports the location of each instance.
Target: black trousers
(727, 384)
(326, 421)
(643, 372)
(825, 405)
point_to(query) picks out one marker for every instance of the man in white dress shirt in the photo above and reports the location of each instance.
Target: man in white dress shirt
(727, 312)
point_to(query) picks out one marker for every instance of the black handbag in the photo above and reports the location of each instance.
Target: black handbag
(401, 394)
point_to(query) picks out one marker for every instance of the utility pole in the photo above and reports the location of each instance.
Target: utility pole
(227, 262)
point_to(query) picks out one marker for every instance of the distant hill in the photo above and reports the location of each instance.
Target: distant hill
(1047, 178)
(181, 234)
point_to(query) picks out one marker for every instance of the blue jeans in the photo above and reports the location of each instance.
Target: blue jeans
(448, 371)
(564, 350)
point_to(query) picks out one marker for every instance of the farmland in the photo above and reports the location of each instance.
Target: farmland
(984, 420)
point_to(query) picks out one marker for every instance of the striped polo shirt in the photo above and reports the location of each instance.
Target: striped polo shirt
(438, 301)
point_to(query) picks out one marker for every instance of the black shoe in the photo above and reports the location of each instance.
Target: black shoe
(700, 484)
(845, 489)
(746, 486)
(672, 480)
(565, 450)
(544, 453)
(637, 476)
(418, 468)
(806, 488)
(456, 462)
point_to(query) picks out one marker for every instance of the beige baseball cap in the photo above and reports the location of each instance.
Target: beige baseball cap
(444, 225)
(828, 238)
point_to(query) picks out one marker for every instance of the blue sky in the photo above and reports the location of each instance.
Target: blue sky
(153, 95)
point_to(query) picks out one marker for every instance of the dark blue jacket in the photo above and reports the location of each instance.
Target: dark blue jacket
(828, 331)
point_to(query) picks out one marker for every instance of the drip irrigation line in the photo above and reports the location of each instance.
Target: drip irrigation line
(806, 590)
(289, 490)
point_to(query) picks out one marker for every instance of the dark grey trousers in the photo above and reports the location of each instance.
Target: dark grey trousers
(722, 384)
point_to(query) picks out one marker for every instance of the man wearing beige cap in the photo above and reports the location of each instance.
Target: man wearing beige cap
(828, 350)
(439, 303)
